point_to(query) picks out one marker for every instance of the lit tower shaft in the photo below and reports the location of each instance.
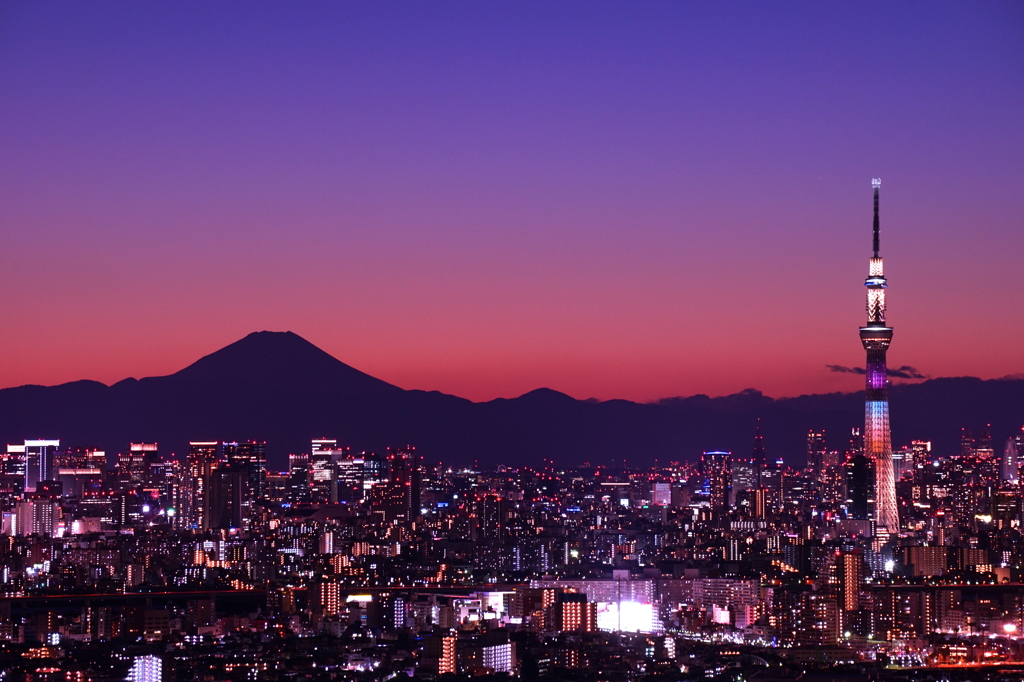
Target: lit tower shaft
(875, 336)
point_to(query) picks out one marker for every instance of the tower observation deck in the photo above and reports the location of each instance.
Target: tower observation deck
(875, 337)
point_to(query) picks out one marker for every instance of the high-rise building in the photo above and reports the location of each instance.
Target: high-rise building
(717, 474)
(758, 455)
(133, 465)
(966, 442)
(1010, 466)
(744, 476)
(851, 574)
(224, 506)
(80, 470)
(398, 498)
(375, 470)
(202, 460)
(12, 475)
(324, 445)
(298, 478)
(404, 466)
(922, 451)
(13, 462)
(875, 337)
(325, 462)
(815, 454)
(348, 472)
(769, 476)
(251, 457)
(983, 444)
(859, 478)
(39, 462)
(902, 462)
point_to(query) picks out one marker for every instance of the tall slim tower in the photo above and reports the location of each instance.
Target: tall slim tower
(875, 336)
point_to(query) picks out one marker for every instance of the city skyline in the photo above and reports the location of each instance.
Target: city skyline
(566, 386)
(484, 202)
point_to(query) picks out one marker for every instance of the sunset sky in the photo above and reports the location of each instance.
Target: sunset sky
(611, 199)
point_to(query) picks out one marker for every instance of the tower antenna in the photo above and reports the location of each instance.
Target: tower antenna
(876, 183)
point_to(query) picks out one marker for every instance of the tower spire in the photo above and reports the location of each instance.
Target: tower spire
(876, 183)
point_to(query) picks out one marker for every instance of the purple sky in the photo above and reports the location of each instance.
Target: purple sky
(628, 200)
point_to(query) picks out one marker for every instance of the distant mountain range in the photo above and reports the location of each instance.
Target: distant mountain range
(278, 387)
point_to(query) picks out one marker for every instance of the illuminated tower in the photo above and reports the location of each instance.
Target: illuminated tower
(875, 336)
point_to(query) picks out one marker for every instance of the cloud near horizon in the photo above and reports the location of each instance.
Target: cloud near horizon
(904, 372)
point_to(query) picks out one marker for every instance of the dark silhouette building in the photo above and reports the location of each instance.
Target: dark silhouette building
(226, 498)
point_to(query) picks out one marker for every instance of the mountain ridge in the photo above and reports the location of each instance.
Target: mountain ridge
(279, 387)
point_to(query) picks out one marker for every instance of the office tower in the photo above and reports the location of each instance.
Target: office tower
(12, 475)
(80, 458)
(298, 478)
(983, 444)
(163, 482)
(202, 460)
(323, 470)
(922, 452)
(875, 336)
(859, 478)
(404, 467)
(397, 498)
(375, 470)
(769, 476)
(322, 482)
(324, 445)
(251, 457)
(39, 462)
(815, 454)
(348, 472)
(717, 474)
(13, 462)
(902, 462)
(746, 472)
(661, 494)
(225, 498)
(758, 456)
(278, 487)
(966, 442)
(833, 480)
(1009, 467)
(492, 515)
(133, 465)
(390, 499)
(80, 470)
(744, 476)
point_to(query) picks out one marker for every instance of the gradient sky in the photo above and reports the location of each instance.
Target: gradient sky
(631, 200)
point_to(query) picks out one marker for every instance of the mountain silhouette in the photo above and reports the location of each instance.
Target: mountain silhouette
(278, 387)
(283, 361)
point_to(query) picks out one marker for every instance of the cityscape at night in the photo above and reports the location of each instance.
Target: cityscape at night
(573, 250)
